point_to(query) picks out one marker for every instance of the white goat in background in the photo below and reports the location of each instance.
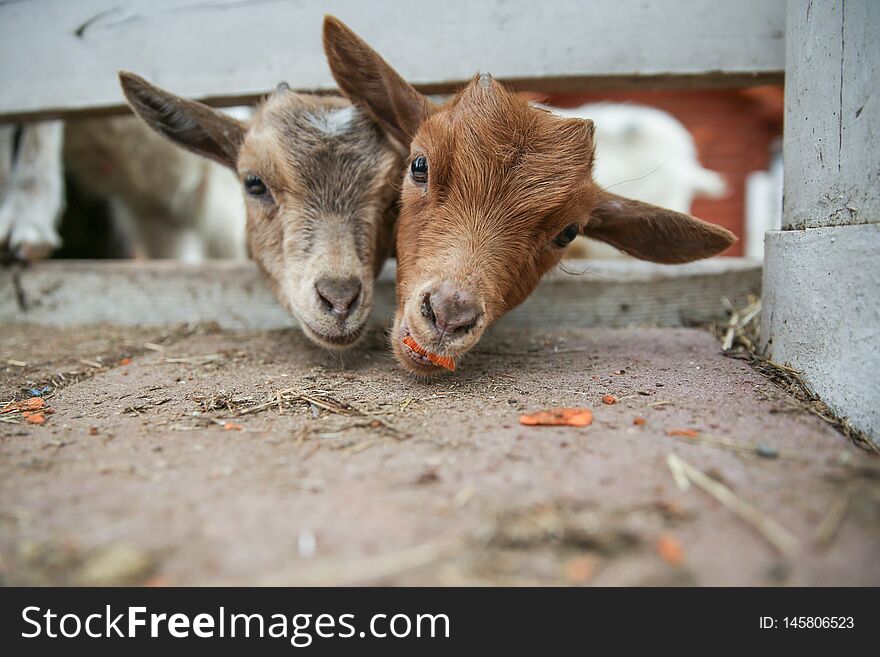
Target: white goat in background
(645, 154)
(31, 188)
(165, 201)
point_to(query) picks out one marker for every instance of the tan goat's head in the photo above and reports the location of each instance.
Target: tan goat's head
(321, 183)
(493, 191)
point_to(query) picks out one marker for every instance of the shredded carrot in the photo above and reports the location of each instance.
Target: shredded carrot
(25, 405)
(232, 426)
(580, 570)
(36, 418)
(639, 421)
(446, 362)
(670, 550)
(687, 433)
(609, 399)
(558, 417)
(410, 342)
(125, 361)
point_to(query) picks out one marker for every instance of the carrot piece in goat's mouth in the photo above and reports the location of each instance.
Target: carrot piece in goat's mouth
(410, 342)
(446, 362)
(558, 417)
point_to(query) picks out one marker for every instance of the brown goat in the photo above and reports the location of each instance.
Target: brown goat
(320, 182)
(494, 190)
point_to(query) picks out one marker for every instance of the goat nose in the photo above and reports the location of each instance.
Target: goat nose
(451, 309)
(339, 296)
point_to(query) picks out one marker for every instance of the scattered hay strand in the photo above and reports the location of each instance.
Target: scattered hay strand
(723, 443)
(739, 339)
(828, 528)
(322, 400)
(775, 534)
(678, 473)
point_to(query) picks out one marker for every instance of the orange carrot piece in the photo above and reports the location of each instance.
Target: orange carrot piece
(232, 426)
(410, 342)
(670, 550)
(35, 402)
(687, 433)
(442, 361)
(125, 361)
(639, 421)
(558, 417)
(609, 399)
(36, 418)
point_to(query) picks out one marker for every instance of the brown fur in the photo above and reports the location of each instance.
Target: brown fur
(333, 178)
(505, 178)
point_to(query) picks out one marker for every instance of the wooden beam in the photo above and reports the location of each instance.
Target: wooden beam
(616, 293)
(59, 58)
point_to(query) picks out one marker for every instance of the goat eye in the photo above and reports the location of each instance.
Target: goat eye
(567, 235)
(419, 169)
(254, 186)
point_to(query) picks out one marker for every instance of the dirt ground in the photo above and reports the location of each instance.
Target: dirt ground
(209, 457)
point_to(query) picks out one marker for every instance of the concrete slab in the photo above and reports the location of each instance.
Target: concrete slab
(153, 470)
(822, 315)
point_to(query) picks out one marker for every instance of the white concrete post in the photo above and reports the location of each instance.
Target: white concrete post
(822, 270)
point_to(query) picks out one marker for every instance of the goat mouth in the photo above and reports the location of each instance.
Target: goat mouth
(419, 356)
(337, 340)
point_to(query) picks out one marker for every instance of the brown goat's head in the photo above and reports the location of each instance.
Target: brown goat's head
(493, 191)
(320, 181)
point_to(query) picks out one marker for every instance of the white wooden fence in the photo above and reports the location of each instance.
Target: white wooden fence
(61, 56)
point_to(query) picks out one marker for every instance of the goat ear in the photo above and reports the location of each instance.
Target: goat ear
(367, 80)
(649, 232)
(191, 124)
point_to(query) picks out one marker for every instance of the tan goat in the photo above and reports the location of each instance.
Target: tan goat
(320, 182)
